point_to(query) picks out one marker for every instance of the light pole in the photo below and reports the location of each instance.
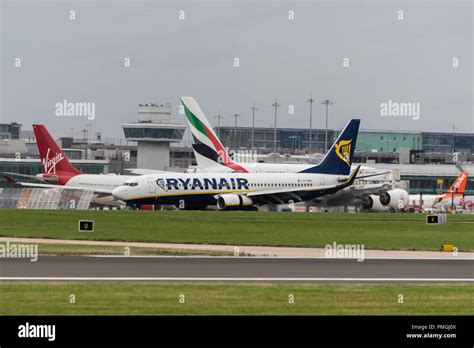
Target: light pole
(85, 141)
(235, 130)
(454, 141)
(310, 101)
(327, 102)
(85, 132)
(253, 108)
(218, 116)
(275, 105)
(89, 126)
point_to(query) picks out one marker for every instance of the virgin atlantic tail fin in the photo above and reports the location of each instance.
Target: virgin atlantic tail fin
(53, 160)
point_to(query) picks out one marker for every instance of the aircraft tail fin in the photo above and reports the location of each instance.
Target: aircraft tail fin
(205, 157)
(459, 185)
(208, 144)
(53, 159)
(456, 189)
(338, 160)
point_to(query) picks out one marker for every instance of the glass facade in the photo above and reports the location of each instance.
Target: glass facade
(264, 138)
(464, 143)
(438, 142)
(10, 131)
(154, 133)
(380, 141)
(429, 184)
(367, 141)
(291, 139)
(448, 142)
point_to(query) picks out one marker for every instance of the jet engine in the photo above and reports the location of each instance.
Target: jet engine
(394, 199)
(234, 202)
(372, 203)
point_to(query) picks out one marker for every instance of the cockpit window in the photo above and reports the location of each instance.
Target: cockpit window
(132, 184)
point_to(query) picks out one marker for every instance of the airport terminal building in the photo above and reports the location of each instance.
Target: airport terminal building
(367, 141)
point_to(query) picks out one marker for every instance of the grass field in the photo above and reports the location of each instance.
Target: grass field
(234, 299)
(374, 230)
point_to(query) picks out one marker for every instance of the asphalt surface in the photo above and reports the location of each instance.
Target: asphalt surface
(234, 269)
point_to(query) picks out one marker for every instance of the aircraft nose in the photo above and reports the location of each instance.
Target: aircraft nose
(120, 193)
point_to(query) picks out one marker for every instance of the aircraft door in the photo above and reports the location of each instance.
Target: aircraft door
(151, 185)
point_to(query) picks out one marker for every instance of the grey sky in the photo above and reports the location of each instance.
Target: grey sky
(82, 61)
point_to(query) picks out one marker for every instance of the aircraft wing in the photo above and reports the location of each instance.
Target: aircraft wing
(354, 194)
(359, 191)
(28, 184)
(10, 174)
(372, 175)
(282, 196)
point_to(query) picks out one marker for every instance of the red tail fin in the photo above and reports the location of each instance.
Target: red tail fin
(457, 188)
(459, 184)
(53, 160)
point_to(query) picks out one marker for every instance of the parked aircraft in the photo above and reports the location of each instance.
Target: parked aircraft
(243, 190)
(375, 194)
(57, 171)
(453, 197)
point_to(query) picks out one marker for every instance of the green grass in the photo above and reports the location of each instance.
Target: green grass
(374, 230)
(75, 249)
(234, 299)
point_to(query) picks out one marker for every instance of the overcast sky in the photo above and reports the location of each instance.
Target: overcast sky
(82, 60)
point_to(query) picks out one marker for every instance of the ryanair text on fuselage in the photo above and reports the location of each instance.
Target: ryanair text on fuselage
(203, 184)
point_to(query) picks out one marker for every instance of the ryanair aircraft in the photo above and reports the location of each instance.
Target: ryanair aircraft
(231, 191)
(376, 194)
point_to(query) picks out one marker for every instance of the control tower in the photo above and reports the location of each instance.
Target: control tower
(154, 133)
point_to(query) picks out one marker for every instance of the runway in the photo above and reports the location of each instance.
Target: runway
(169, 268)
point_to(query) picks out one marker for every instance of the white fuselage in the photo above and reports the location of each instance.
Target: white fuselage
(203, 187)
(423, 201)
(274, 168)
(337, 199)
(98, 181)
